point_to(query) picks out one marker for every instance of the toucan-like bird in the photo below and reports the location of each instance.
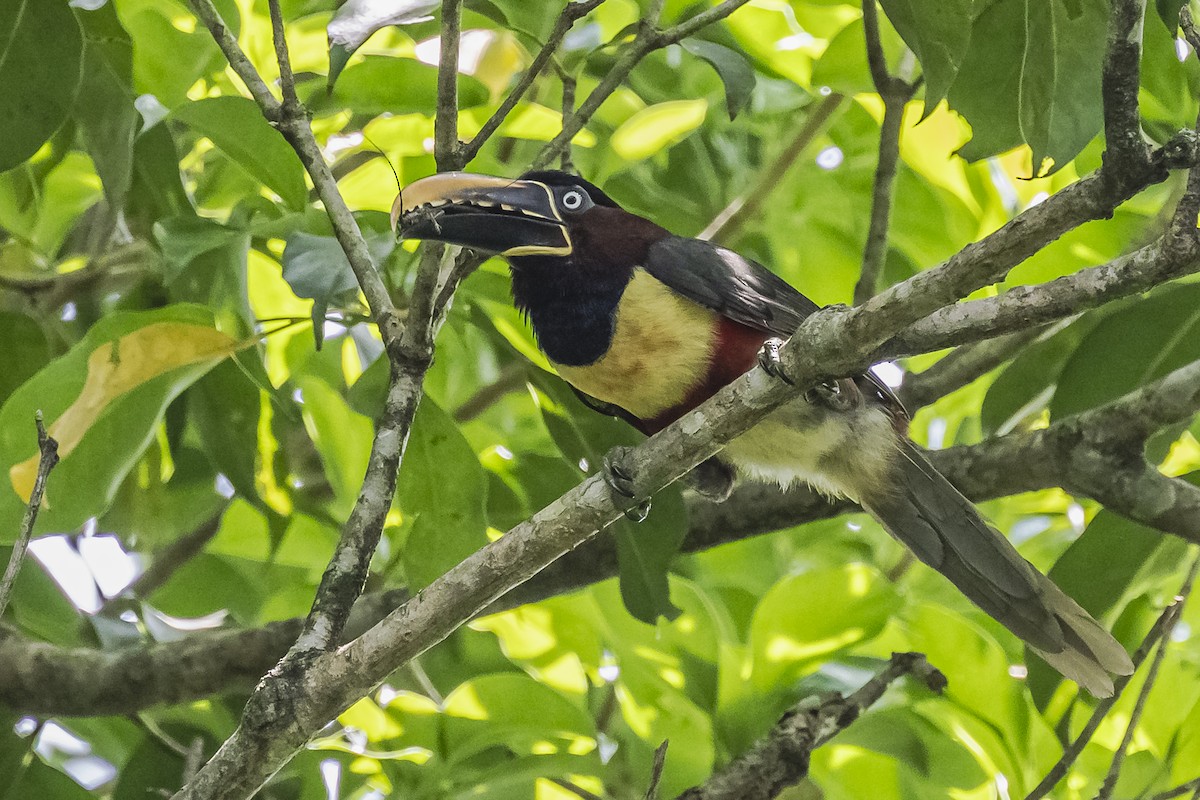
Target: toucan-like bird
(646, 325)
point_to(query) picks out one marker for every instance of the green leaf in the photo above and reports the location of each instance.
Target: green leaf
(237, 128)
(357, 20)
(41, 59)
(657, 127)
(939, 34)
(807, 617)
(316, 267)
(495, 710)
(1032, 75)
(103, 401)
(342, 437)
(1128, 349)
(1025, 387)
(732, 66)
(379, 84)
(442, 486)
(1168, 12)
(183, 238)
(104, 106)
(26, 351)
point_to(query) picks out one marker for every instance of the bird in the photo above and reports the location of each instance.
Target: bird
(645, 325)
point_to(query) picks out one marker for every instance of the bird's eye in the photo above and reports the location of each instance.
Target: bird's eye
(573, 200)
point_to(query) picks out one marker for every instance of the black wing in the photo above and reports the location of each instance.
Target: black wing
(740, 289)
(731, 285)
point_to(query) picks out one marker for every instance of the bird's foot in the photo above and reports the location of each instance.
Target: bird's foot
(768, 359)
(839, 395)
(619, 478)
(712, 479)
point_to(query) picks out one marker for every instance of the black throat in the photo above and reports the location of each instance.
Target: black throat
(572, 308)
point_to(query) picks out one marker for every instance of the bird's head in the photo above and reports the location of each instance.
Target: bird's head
(547, 214)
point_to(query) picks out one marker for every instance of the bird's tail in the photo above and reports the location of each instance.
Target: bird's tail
(945, 531)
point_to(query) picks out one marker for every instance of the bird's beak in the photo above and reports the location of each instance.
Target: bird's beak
(498, 215)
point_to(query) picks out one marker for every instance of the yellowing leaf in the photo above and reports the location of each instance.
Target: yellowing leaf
(657, 127)
(116, 368)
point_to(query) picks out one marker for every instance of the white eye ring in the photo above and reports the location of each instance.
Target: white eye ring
(572, 200)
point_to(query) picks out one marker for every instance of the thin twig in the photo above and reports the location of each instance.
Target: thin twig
(964, 366)
(511, 377)
(1119, 85)
(445, 126)
(237, 58)
(295, 127)
(570, 14)
(575, 789)
(569, 85)
(167, 562)
(656, 770)
(895, 93)
(1158, 631)
(287, 80)
(48, 457)
(781, 758)
(647, 40)
(726, 226)
(1179, 791)
(1118, 760)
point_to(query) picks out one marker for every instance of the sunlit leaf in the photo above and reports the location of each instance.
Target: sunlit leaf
(379, 85)
(658, 127)
(102, 401)
(237, 127)
(809, 616)
(443, 489)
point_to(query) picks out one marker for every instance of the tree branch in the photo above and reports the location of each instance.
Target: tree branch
(445, 125)
(963, 366)
(1119, 84)
(780, 759)
(571, 13)
(48, 458)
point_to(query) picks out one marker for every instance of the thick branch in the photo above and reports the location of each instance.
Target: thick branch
(89, 682)
(1024, 307)
(780, 759)
(1120, 82)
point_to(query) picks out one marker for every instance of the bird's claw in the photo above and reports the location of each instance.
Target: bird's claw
(768, 359)
(831, 394)
(619, 478)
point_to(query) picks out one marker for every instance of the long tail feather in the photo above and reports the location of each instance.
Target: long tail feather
(945, 530)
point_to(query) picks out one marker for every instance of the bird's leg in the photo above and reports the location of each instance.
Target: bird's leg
(768, 359)
(619, 478)
(839, 395)
(712, 479)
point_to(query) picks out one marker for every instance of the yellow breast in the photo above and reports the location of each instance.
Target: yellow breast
(661, 348)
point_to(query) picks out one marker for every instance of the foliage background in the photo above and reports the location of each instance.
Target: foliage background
(148, 209)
